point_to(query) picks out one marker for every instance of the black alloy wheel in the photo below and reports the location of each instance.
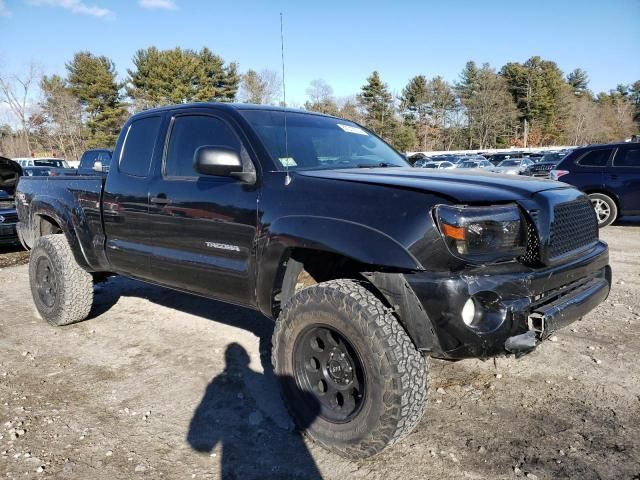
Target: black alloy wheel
(326, 364)
(46, 282)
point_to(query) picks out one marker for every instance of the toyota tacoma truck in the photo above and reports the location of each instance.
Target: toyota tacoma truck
(369, 267)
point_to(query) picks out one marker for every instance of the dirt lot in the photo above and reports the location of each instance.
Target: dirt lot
(124, 394)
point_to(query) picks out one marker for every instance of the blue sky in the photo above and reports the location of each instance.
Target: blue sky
(340, 41)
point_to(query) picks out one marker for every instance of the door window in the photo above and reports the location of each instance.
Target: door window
(627, 157)
(190, 132)
(88, 159)
(595, 158)
(139, 143)
(105, 158)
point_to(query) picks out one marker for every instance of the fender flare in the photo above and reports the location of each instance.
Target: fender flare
(363, 244)
(53, 208)
(354, 240)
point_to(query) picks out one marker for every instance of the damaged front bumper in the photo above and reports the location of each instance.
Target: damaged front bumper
(515, 307)
(8, 221)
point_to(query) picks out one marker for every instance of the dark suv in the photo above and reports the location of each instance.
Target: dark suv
(609, 174)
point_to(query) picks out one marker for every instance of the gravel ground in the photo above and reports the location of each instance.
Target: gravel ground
(125, 394)
(11, 256)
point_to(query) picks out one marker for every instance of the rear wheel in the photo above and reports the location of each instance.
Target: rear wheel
(605, 207)
(350, 375)
(62, 291)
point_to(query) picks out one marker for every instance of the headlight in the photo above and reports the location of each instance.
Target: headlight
(483, 234)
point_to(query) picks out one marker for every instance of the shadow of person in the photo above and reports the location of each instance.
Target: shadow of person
(247, 428)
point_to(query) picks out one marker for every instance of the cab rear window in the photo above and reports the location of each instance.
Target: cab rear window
(139, 143)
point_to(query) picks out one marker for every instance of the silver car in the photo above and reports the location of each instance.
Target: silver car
(512, 166)
(439, 165)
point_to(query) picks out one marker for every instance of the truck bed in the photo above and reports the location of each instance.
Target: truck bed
(67, 200)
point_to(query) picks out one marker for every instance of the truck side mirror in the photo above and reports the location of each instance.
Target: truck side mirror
(97, 166)
(218, 160)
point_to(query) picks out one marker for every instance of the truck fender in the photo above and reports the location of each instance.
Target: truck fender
(70, 224)
(349, 239)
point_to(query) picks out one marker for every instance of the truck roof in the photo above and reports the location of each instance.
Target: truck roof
(232, 106)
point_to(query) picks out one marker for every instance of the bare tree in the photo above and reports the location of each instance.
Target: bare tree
(15, 92)
(62, 117)
(261, 88)
(319, 91)
(321, 98)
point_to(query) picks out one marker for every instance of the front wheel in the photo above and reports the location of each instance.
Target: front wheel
(62, 291)
(605, 207)
(350, 375)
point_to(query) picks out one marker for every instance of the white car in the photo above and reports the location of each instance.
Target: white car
(42, 162)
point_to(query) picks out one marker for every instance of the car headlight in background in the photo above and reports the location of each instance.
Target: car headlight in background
(483, 234)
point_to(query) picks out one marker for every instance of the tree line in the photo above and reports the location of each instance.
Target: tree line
(521, 104)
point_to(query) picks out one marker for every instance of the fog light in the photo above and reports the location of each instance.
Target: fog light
(469, 312)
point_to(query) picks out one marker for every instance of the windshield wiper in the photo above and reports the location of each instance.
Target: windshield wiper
(375, 165)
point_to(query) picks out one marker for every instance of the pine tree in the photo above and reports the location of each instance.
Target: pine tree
(537, 87)
(465, 89)
(377, 102)
(164, 77)
(579, 82)
(214, 80)
(92, 80)
(414, 103)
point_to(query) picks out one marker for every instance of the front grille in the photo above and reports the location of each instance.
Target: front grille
(7, 205)
(9, 218)
(574, 227)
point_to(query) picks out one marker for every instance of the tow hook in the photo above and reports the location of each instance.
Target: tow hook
(521, 344)
(526, 342)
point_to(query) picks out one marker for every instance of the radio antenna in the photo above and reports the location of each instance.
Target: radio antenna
(287, 179)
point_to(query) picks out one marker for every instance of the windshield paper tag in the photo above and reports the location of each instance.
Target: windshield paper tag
(352, 129)
(287, 162)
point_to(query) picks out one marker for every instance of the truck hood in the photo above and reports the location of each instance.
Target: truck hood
(473, 187)
(10, 172)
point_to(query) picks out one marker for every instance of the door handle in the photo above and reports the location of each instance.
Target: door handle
(160, 200)
(613, 176)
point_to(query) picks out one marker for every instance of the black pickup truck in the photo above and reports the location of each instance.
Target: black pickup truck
(368, 266)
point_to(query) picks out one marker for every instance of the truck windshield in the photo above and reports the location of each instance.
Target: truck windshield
(317, 142)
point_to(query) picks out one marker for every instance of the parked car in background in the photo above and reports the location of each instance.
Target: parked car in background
(513, 166)
(413, 159)
(95, 161)
(609, 174)
(496, 158)
(37, 171)
(439, 165)
(10, 173)
(478, 164)
(546, 163)
(59, 166)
